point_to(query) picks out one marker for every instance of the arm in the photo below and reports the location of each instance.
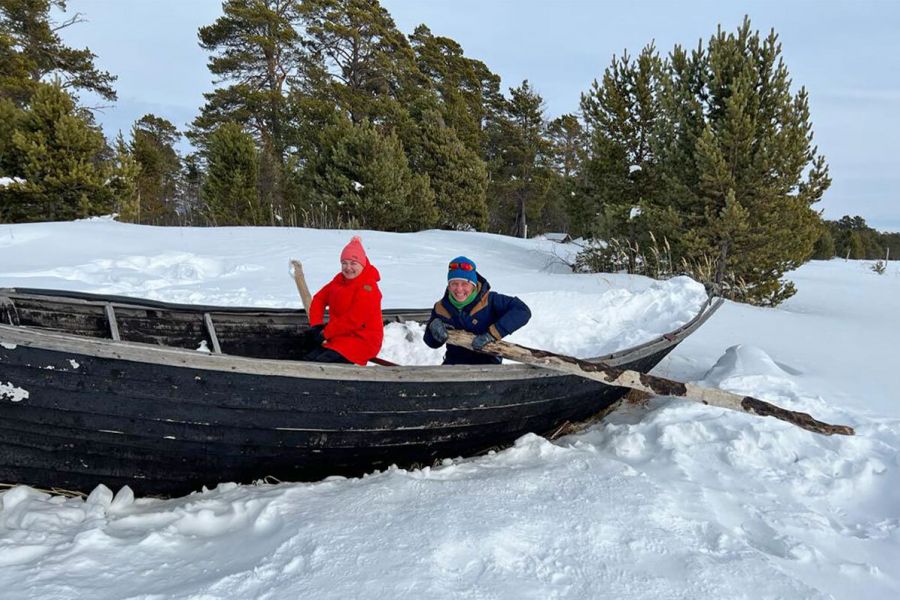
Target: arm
(513, 314)
(319, 302)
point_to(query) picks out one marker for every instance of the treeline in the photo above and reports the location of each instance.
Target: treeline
(850, 237)
(325, 116)
(699, 161)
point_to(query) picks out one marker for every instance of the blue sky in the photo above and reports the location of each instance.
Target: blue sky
(846, 54)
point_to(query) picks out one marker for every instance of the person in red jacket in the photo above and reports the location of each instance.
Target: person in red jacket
(355, 328)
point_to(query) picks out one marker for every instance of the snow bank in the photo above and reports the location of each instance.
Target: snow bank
(668, 499)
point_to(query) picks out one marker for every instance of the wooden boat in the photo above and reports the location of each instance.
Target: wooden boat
(107, 389)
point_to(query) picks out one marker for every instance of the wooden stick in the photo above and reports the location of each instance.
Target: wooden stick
(306, 298)
(300, 280)
(659, 386)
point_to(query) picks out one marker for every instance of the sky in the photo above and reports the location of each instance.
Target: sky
(845, 53)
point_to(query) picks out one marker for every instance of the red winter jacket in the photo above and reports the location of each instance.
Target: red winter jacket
(355, 328)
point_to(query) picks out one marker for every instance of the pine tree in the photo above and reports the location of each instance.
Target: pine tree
(519, 161)
(457, 176)
(257, 51)
(468, 91)
(229, 191)
(10, 118)
(62, 159)
(190, 182)
(363, 177)
(32, 51)
(753, 151)
(567, 207)
(124, 183)
(824, 248)
(370, 67)
(622, 175)
(153, 142)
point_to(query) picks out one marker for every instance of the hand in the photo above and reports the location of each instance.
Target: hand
(316, 334)
(482, 340)
(312, 338)
(438, 331)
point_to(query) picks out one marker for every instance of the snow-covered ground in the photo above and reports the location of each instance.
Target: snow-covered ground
(668, 500)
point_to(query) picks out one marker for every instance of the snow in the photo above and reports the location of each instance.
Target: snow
(13, 393)
(670, 499)
(8, 181)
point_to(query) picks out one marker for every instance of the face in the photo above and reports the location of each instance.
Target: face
(351, 269)
(461, 289)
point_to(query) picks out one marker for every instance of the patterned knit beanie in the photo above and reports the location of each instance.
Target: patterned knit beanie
(355, 251)
(462, 268)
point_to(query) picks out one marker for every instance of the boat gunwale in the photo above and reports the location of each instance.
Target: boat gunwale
(192, 359)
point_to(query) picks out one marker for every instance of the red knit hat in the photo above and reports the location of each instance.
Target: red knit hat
(355, 251)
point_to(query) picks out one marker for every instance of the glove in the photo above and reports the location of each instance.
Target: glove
(482, 340)
(312, 338)
(438, 331)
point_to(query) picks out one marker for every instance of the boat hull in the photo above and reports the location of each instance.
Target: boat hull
(77, 410)
(170, 430)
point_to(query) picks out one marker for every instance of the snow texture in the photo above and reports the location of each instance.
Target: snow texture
(670, 499)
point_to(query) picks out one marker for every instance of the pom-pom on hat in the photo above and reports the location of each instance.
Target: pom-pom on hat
(355, 251)
(462, 268)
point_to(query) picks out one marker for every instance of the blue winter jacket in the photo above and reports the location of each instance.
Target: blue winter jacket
(489, 311)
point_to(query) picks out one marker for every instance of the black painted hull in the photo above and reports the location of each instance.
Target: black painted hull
(168, 421)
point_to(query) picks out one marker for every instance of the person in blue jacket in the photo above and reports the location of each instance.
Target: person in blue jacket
(470, 305)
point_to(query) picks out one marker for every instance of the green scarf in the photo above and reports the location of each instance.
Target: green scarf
(468, 300)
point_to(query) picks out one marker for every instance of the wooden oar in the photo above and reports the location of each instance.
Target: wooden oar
(300, 280)
(306, 298)
(652, 384)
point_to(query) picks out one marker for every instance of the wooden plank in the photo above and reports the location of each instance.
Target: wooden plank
(111, 320)
(211, 330)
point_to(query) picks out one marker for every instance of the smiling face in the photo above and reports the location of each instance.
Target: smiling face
(460, 289)
(351, 269)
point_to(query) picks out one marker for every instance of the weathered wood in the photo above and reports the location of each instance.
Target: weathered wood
(300, 281)
(111, 320)
(165, 429)
(211, 330)
(659, 386)
(9, 308)
(166, 420)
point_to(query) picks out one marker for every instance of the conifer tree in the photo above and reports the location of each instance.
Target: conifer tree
(370, 67)
(752, 157)
(623, 181)
(519, 161)
(62, 159)
(364, 178)
(32, 51)
(257, 53)
(190, 182)
(153, 142)
(824, 248)
(229, 192)
(567, 207)
(468, 91)
(457, 176)
(124, 184)
(10, 117)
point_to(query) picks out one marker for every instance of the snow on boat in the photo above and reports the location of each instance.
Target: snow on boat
(108, 389)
